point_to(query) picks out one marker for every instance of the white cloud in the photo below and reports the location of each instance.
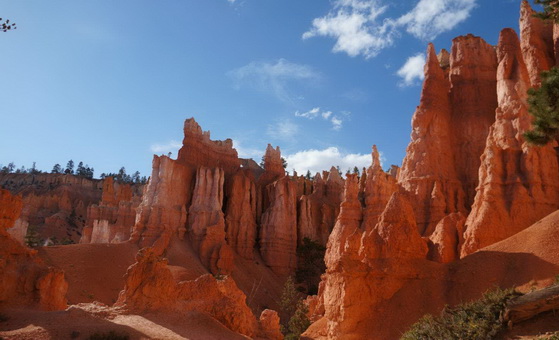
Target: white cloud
(284, 130)
(412, 70)
(311, 114)
(231, 1)
(274, 77)
(430, 18)
(317, 160)
(358, 29)
(172, 146)
(336, 121)
(353, 23)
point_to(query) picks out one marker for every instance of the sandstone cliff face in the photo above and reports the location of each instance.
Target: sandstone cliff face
(278, 232)
(368, 263)
(318, 209)
(468, 181)
(150, 286)
(162, 212)
(536, 43)
(112, 219)
(518, 182)
(449, 129)
(24, 279)
(54, 205)
(240, 221)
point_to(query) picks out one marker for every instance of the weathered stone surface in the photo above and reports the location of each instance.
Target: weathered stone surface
(24, 279)
(518, 182)
(367, 266)
(54, 204)
(240, 214)
(199, 150)
(536, 43)
(473, 67)
(317, 211)
(445, 242)
(150, 286)
(270, 325)
(428, 170)
(163, 211)
(112, 220)
(278, 232)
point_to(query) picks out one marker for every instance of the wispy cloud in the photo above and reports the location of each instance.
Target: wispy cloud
(247, 152)
(274, 77)
(311, 114)
(412, 71)
(358, 29)
(283, 130)
(171, 146)
(337, 121)
(317, 160)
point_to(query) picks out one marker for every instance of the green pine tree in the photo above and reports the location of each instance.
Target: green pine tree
(550, 9)
(544, 107)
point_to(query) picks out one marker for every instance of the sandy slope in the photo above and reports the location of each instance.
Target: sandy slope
(94, 271)
(80, 322)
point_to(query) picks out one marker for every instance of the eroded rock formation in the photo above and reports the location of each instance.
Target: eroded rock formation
(55, 206)
(24, 279)
(468, 181)
(518, 182)
(150, 286)
(112, 219)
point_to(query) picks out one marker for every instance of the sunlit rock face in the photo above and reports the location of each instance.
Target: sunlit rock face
(111, 220)
(24, 279)
(224, 206)
(468, 181)
(518, 183)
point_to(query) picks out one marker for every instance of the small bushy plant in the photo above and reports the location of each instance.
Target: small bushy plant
(475, 320)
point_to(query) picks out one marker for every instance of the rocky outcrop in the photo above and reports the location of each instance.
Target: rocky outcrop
(518, 182)
(472, 74)
(468, 181)
(318, 210)
(446, 240)
(278, 232)
(150, 286)
(536, 43)
(111, 220)
(199, 150)
(163, 211)
(240, 220)
(24, 279)
(206, 221)
(270, 325)
(367, 265)
(449, 129)
(54, 205)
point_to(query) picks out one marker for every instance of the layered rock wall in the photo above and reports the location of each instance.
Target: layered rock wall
(24, 279)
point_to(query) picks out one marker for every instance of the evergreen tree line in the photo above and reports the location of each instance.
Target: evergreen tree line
(81, 170)
(123, 177)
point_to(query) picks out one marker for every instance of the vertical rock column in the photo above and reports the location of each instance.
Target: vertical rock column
(278, 231)
(519, 184)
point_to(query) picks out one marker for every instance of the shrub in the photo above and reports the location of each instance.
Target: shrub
(475, 320)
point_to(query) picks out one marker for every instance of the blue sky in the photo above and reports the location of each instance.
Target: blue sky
(111, 82)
